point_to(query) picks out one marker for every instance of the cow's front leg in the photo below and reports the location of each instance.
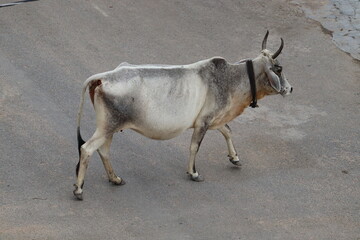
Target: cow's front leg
(196, 139)
(233, 157)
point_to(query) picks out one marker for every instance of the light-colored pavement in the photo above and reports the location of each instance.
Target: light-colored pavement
(300, 176)
(340, 18)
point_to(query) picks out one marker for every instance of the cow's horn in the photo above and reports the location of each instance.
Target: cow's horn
(279, 50)
(265, 40)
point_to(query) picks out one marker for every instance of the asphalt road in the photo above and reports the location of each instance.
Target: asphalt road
(301, 173)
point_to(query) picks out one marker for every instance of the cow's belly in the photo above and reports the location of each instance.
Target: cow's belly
(159, 134)
(165, 122)
(167, 118)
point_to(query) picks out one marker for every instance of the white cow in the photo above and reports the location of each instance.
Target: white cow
(162, 101)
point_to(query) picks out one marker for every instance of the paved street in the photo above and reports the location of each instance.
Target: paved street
(301, 157)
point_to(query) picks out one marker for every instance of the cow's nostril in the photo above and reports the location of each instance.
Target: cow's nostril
(291, 89)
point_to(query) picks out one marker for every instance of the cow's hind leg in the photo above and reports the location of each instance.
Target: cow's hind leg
(104, 155)
(233, 157)
(86, 151)
(196, 140)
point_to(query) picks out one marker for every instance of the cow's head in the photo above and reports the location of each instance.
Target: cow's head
(273, 69)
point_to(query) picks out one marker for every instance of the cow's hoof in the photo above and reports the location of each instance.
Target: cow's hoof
(118, 181)
(197, 178)
(78, 193)
(235, 160)
(79, 196)
(236, 163)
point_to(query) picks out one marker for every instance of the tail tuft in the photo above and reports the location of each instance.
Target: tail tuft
(80, 140)
(80, 143)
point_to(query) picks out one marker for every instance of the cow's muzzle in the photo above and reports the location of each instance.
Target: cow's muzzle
(286, 90)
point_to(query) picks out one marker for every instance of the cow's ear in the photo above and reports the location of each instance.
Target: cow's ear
(273, 79)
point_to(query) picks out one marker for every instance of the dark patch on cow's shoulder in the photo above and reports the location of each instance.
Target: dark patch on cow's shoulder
(222, 78)
(218, 76)
(209, 72)
(218, 62)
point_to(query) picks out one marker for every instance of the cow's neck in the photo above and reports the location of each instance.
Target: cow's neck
(260, 78)
(244, 92)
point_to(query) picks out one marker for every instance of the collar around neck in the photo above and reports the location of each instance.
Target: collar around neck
(251, 75)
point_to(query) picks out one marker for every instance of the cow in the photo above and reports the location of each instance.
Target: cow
(162, 101)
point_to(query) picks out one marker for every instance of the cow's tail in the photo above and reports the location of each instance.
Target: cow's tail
(88, 83)
(82, 100)
(79, 115)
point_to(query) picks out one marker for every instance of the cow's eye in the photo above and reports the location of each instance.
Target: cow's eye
(278, 68)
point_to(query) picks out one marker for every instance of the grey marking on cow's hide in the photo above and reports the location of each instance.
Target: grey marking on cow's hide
(222, 78)
(121, 110)
(171, 73)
